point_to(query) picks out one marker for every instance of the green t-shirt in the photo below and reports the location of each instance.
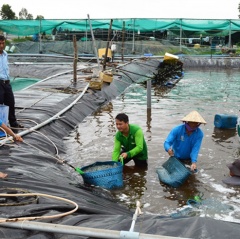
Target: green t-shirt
(134, 144)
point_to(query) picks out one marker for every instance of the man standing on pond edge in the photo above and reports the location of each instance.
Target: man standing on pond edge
(6, 93)
(129, 142)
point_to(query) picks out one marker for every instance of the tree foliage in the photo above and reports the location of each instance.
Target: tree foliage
(39, 17)
(239, 9)
(23, 14)
(7, 13)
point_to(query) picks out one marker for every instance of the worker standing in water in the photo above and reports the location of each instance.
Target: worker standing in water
(184, 141)
(129, 142)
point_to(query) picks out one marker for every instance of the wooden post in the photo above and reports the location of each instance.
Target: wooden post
(75, 60)
(94, 43)
(106, 52)
(123, 36)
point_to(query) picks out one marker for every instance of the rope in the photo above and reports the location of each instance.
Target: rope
(40, 217)
(31, 200)
(59, 160)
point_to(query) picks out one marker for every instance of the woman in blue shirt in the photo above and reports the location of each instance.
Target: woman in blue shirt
(184, 141)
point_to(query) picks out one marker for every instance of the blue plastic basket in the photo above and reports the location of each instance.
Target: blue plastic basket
(109, 178)
(173, 172)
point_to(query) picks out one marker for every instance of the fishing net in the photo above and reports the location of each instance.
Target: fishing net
(173, 172)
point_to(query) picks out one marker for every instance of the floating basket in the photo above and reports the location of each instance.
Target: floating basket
(173, 172)
(107, 174)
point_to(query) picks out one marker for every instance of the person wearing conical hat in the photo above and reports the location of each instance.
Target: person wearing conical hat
(184, 141)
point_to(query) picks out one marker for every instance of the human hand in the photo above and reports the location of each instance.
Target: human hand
(170, 152)
(124, 155)
(17, 137)
(193, 166)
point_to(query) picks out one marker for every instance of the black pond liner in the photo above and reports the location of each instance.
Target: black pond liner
(31, 170)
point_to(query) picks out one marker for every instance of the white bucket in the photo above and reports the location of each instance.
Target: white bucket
(7, 48)
(113, 47)
(12, 48)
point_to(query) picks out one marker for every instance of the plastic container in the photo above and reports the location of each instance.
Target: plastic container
(110, 177)
(113, 47)
(148, 54)
(225, 121)
(4, 109)
(169, 56)
(102, 51)
(12, 49)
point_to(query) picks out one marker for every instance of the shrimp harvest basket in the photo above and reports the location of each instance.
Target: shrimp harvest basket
(173, 172)
(108, 174)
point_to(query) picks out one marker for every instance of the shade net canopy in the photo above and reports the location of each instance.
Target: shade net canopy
(30, 27)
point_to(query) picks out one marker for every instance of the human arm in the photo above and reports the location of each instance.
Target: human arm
(10, 132)
(116, 150)
(169, 142)
(195, 151)
(196, 148)
(139, 139)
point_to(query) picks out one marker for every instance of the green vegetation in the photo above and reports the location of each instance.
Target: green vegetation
(22, 39)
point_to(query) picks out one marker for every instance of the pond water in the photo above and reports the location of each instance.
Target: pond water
(207, 92)
(21, 83)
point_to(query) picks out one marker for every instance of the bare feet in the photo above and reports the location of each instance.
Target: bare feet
(3, 175)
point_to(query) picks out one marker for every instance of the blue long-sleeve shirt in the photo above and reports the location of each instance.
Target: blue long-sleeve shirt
(183, 145)
(4, 69)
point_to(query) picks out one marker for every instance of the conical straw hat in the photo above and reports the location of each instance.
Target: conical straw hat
(194, 116)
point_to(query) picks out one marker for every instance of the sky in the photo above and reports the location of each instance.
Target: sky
(109, 9)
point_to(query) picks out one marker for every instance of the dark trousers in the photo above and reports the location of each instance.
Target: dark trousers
(139, 163)
(7, 98)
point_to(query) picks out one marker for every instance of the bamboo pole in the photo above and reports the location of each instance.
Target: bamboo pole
(75, 60)
(123, 36)
(94, 43)
(106, 52)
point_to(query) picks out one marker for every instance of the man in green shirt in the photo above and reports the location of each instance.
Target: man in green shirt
(129, 142)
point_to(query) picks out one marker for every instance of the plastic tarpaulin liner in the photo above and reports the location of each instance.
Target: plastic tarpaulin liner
(35, 170)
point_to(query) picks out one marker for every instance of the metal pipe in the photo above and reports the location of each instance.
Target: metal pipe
(82, 231)
(149, 86)
(137, 212)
